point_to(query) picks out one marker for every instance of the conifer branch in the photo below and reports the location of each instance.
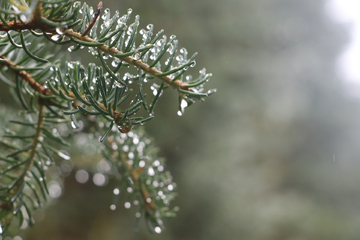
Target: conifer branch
(130, 60)
(66, 89)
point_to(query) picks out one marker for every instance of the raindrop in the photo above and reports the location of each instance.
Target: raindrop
(136, 202)
(179, 113)
(151, 172)
(160, 168)
(127, 205)
(137, 214)
(64, 155)
(125, 148)
(129, 11)
(107, 23)
(170, 187)
(148, 200)
(157, 229)
(56, 37)
(99, 179)
(129, 190)
(149, 26)
(156, 184)
(24, 18)
(142, 163)
(106, 14)
(131, 155)
(54, 189)
(183, 104)
(82, 176)
(60, 30)
(112, 207)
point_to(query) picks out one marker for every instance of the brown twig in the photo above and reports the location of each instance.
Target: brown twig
(91, 24)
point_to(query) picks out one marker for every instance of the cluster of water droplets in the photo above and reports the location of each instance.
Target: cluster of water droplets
(135, 151)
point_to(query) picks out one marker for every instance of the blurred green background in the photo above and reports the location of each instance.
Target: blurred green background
(274, 154)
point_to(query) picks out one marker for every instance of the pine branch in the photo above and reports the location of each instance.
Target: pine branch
(61, 91)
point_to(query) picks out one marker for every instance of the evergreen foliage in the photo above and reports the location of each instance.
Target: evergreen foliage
(112, 96)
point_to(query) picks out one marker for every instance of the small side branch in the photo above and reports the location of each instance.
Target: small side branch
(91, 24)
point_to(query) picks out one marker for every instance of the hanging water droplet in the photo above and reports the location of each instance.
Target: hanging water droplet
(179, 113)
(183, 104)
(60, 30)
(106, 14)
(157, 229)
(113, 207)
(193, 63)
(129, 11)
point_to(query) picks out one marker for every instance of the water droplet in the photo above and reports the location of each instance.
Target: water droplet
(136, 202)
(64, 155)
(170, 187)
(148, 200)
(179, 113)
(112, 207)
(193, 63)
(129, 190)
(142, 163)
(116, 191)
(157, 230)
(125, 148)
(127, 205)
(54, 189)
(60, 30)
(151, 171)
(160, 168)
(137, 214)
(183, 104)
(106, 14)
(155, 184)
(24, 18)
(82, 176)
(99, 179)
(129, 11)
